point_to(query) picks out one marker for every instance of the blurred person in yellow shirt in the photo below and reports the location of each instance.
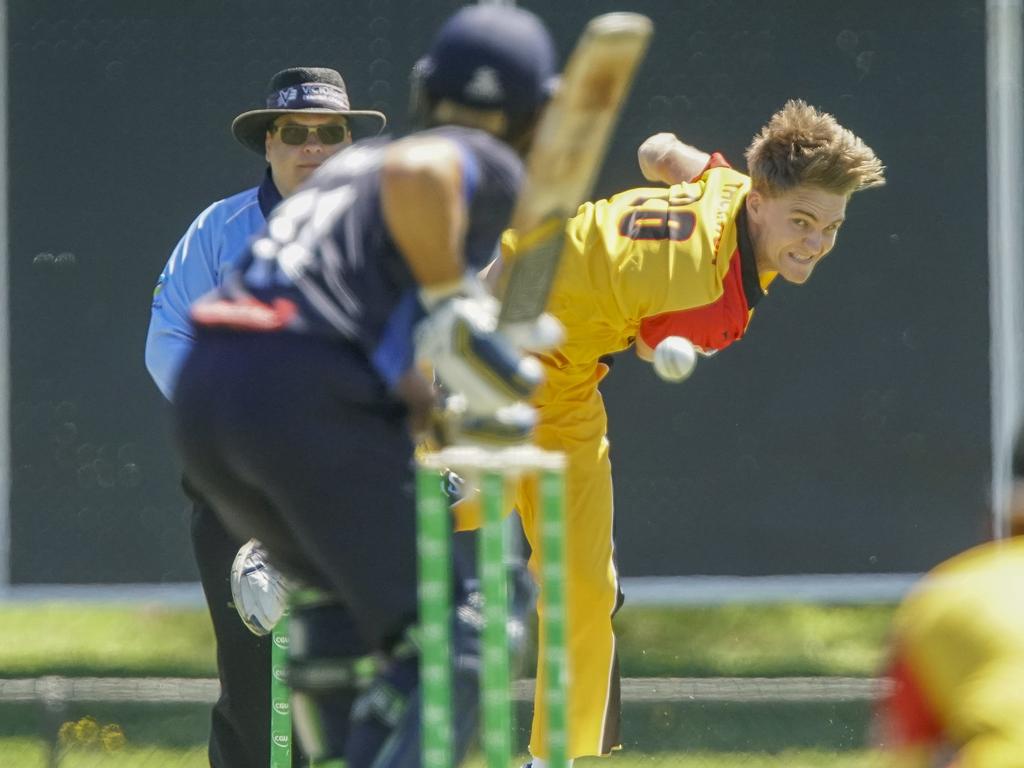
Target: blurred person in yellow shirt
(957, 658)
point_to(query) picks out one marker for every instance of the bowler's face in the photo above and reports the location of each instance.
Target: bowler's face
(292, 164)
(793, 231)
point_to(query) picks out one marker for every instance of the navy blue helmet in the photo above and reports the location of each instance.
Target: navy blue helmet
(491, 57)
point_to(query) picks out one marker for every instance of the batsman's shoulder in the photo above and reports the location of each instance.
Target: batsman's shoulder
(490, 155)
(420, 154)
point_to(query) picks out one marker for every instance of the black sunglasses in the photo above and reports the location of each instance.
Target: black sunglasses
(296, 135)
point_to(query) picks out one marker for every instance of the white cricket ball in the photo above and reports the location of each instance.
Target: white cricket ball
(675, 358)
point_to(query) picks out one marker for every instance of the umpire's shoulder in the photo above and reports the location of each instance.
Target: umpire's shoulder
(234, 210)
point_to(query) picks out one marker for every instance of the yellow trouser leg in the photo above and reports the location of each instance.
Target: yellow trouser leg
(591, 580)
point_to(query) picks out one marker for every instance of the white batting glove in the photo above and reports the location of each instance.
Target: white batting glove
(511, 425)
(541, 335)
(460, 339)
(259, 591)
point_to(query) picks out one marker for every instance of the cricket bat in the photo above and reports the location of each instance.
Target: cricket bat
(567, 153)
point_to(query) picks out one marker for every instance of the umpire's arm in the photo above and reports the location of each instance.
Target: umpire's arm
(190, 272)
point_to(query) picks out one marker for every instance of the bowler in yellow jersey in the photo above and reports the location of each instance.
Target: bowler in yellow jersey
(691, 259)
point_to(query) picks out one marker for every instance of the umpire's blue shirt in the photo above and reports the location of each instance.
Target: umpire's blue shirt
(212, 244)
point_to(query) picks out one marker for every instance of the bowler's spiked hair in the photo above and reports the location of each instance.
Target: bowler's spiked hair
(802, 146)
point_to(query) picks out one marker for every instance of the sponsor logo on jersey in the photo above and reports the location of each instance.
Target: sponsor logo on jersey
(729, 191)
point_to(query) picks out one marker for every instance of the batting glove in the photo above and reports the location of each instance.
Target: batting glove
(455, 425)
(460, 339)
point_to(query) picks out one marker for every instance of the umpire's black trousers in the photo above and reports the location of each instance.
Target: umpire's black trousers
(240, 723)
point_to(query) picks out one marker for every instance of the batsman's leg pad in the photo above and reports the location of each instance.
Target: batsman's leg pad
(327, 670)
(522, 603)
(386, 726)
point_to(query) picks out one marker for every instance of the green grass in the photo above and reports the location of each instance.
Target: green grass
(763, 640)
(657, 735)
(31, 753)
(803, 758)
(753, 641)
(34, 753)
(83, 640)
(772, 640)
(170, 725)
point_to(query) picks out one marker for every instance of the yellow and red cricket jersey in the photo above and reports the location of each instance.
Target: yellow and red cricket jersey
(958, 663)
(655, 262)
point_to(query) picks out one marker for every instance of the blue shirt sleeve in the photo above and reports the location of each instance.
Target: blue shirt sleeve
(190, 272)
(394, 353)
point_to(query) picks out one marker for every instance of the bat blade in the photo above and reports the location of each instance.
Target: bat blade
(568, 151)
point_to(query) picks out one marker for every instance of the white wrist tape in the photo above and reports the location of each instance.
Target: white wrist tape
(467, 285)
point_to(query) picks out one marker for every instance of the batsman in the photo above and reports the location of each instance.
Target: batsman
(298, 404)
(690, 260)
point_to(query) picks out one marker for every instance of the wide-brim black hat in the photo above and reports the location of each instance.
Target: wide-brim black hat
(309, 90)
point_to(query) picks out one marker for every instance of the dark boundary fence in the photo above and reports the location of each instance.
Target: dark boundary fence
(847, 433)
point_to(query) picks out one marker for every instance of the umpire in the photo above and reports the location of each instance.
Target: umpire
(306, 120)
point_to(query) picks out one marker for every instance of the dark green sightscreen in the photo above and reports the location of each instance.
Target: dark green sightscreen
(847, 432)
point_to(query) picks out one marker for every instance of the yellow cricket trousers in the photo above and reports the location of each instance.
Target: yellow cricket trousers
(572, 420)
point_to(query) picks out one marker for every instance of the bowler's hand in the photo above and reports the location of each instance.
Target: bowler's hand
(664, 158)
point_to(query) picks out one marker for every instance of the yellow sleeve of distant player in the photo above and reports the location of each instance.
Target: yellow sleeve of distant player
(669, 248)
